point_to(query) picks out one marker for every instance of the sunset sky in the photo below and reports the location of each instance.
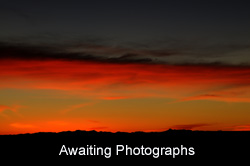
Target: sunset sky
(140, 65)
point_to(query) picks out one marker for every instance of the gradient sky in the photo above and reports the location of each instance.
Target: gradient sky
(140, 65)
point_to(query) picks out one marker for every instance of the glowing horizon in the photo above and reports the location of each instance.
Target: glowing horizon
(58, 95)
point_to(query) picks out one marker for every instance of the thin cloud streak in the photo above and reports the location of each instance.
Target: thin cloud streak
(245, 127)
(189, 126)
(75, 107)
(22, 125)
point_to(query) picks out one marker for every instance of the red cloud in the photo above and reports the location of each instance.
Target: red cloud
(242, 127)
(116, 81)
(218, 98)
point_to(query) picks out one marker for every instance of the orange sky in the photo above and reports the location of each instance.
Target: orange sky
(57, 95)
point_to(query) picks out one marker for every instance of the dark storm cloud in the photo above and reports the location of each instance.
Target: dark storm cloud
(26, 52)
(224, 55)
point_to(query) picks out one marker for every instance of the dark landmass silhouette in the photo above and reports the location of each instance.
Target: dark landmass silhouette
(209, 146)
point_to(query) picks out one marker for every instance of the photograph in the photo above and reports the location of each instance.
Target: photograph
(101, 81)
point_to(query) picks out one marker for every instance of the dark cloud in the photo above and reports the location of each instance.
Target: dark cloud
(91, 53)
(130, 58)
(189, 126)
(44, 53)
(120, 54)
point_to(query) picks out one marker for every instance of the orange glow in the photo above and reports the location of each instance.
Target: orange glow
(75, 75)
(55, 95)
(242, 128)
